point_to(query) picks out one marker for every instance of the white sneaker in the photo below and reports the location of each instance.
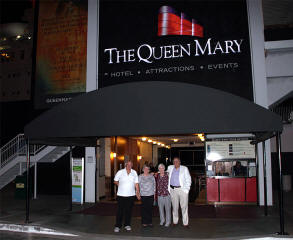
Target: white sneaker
(116, 229)
(127, 228)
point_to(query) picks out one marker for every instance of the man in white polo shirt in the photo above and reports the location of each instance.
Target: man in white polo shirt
(127, 181)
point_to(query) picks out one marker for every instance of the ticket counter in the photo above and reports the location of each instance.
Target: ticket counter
(231, 181)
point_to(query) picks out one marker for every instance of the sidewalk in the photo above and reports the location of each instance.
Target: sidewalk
(50, 212)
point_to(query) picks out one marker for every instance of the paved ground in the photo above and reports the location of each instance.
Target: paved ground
(51, 212)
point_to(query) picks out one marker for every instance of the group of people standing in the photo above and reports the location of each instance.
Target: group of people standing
(169, 187)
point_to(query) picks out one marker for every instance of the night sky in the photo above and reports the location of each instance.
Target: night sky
(12, 10)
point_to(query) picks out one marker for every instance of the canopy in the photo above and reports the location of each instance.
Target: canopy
(148, 109)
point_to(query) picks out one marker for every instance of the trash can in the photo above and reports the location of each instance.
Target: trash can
(20, 187)
(287, 183)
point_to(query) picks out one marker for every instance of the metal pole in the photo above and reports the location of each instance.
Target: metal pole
(265, 178)
(70, 181)
(281, 205)
(98, 159)
(20, 168)
(115, 165)
(27, 182)
(257, 173)
(35, 181)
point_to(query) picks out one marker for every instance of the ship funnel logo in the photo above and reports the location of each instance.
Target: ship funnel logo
(172, 22)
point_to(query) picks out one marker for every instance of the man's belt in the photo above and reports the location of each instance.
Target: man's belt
(174, 186)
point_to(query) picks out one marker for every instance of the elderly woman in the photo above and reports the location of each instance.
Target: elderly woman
(147, 186)
(164, 199)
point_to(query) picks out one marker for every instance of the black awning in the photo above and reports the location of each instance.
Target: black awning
(150, 108)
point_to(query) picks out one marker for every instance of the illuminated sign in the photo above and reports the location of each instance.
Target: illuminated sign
(148, 54)
(190, 41)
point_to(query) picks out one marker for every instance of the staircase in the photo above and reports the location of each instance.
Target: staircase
(13, 157)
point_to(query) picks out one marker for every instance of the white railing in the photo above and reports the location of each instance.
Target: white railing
(16, 147)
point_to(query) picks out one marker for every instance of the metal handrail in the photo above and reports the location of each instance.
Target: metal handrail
(16, 147)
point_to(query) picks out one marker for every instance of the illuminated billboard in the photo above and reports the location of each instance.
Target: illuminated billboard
(61, 51)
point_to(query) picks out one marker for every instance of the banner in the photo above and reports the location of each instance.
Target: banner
(200, 42)
(61, 51)
(77, 180)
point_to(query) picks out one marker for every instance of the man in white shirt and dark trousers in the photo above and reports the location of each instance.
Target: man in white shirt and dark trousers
(127, 181)
(179, 186)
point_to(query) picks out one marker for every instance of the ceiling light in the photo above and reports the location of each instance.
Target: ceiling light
(150, 140)
(175, 140)
(144, 139)
(18, 37)
(154, 142)
(159, 143)
(163, 144)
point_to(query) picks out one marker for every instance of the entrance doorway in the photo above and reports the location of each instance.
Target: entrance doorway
(155, 150)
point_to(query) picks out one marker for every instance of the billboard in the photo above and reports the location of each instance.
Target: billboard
(200, 42)
(61, 51)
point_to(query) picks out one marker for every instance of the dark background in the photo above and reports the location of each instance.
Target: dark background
(129, 24)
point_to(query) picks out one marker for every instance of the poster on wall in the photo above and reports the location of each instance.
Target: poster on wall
(61, 51)
(199, 42)
(77, 180)
(218, 150)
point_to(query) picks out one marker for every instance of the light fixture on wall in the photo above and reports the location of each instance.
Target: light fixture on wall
(113, 155)
(139, 157)
(154, 142)
(144, 139)
(175, 140)
(150, 140)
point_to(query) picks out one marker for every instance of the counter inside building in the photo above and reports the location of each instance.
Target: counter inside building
(232, 178)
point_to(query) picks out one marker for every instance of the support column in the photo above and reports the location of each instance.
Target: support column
(265, 179)
(281, 204)
(35, 181)
(70, 179)
(91, 85)
(90, 174)
(92, 46)
(155, 155)
(98, 159)
(256, 32)
(27, 209)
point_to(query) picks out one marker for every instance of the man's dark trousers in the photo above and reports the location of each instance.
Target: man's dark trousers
(125, 205)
